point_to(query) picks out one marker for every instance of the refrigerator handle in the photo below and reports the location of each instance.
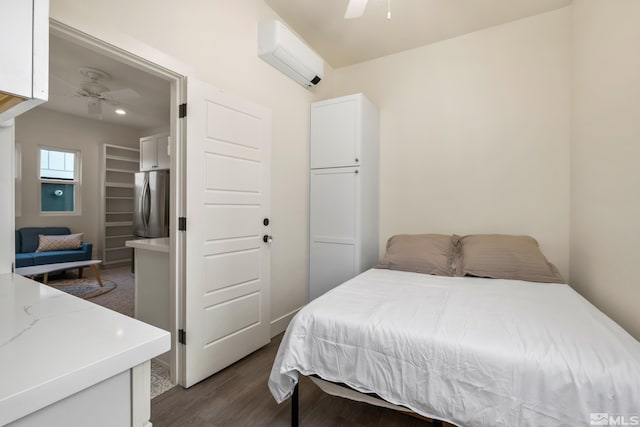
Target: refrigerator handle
(147, 205)
(141, 202)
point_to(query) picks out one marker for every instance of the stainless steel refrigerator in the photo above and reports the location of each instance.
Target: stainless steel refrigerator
(151, 211)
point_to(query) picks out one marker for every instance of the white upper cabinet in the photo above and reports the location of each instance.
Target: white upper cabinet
(24, 49)
(148, 150)
(154, 153)
(335, 132)
(16, 72)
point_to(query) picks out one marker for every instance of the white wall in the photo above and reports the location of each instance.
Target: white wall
(154, 131)
(475, 133)
(217, 39)
(605, 150)
(43, 127)
(7, 248)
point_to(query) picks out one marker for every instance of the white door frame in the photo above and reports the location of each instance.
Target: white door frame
(132, 52)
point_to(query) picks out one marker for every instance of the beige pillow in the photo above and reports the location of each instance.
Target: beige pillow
(503, 256)
(59, 243)
(420, 253)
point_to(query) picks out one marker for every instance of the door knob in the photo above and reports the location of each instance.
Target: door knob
(267, 239)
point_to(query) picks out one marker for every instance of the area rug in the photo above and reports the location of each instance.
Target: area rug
(84, 288)
(160, 379)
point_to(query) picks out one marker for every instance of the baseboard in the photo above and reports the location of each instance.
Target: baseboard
(279, 325)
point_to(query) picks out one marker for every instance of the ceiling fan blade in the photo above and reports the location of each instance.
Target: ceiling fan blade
(64, 82)
(121, 94)
(355, 9)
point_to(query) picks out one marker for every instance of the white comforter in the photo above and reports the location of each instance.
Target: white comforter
(471, 351)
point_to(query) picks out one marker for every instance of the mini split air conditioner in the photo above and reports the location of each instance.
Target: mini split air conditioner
(278, 46)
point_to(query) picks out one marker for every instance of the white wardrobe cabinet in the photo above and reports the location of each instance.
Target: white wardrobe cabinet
(154, 153)
(343, 210)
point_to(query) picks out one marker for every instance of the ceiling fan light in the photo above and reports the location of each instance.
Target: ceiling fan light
(121, 112)
(95, 107)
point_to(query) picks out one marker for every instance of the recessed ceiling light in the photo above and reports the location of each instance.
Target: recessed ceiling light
(121, 111)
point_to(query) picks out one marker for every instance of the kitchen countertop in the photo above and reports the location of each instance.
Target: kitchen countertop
(53, 345)
(161, 244)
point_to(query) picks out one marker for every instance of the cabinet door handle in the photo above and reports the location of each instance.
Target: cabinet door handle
(267, 239)
(357, 160)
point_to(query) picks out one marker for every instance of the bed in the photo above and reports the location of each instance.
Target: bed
(472, 351)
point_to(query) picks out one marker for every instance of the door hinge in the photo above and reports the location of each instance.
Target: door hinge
(182, 223)
(182, 110)
(182, 336)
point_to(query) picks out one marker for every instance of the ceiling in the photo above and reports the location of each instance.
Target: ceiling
(147, 105)
(339, 41)
(413, 23)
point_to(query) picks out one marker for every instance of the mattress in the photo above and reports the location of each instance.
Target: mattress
(470, 351)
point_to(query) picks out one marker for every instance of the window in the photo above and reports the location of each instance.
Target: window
(59, 181)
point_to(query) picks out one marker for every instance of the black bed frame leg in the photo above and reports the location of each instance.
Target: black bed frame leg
(295, 416)
(294, 407)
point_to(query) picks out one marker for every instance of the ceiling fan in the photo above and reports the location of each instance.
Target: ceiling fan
(96, 92)
(355, 9)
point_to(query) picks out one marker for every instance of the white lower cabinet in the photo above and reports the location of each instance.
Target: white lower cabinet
(107, 403)
(334, 250)
(152, 285)
(120, 401)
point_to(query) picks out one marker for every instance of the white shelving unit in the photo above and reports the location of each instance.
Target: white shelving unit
(120, 165)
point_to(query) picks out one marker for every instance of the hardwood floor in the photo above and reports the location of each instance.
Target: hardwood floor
(239, 396)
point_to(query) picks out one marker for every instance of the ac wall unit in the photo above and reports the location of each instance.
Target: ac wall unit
(285, 51)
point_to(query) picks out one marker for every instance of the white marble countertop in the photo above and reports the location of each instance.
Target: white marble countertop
(53, 345)
(161, 244)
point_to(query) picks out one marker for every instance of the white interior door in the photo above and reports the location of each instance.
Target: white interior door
(227, 287)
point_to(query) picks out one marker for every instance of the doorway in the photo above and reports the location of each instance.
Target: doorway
(125, 164)
(219, 295)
